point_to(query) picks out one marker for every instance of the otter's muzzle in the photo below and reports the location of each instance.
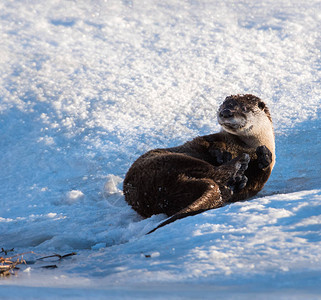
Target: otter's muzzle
(226, 114)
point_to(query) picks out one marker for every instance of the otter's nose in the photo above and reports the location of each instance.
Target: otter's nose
(226, 113)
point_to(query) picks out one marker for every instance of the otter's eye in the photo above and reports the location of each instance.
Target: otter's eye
(230, 105)
(261, 105)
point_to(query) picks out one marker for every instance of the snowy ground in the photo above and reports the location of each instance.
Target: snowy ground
(88, 86)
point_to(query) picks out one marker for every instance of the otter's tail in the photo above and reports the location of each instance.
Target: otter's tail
(177, 217)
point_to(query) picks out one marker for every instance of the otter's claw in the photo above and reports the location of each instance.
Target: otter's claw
(239, 180)
(264, 156)
(243, 161)
(220, 156)
(240, 183)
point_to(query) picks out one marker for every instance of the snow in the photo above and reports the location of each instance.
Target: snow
(88, 86)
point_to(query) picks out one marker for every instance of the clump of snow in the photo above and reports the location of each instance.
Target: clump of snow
(74, 196)
(52, 215)
(98, 246)
(87, 87)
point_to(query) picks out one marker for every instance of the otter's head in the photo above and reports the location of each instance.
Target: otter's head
(244, 115)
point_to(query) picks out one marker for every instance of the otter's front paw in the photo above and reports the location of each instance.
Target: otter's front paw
(239, 180)
(264, 156)
(239, 183)
(220, 157)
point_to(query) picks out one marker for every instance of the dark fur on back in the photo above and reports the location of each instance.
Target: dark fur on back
(202, 174)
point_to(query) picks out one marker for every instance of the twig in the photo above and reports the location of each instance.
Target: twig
(7, 266)
(49, 267)
(6, 251)
(58, 255)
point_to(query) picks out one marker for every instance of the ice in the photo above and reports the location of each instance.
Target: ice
(88, 86)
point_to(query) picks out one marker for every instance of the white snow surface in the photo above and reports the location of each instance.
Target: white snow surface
(86, 87)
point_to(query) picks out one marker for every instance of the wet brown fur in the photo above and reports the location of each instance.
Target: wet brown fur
(189, 179)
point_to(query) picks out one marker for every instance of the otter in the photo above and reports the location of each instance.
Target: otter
(208, 171)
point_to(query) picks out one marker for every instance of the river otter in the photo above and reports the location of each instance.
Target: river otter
(210, 170)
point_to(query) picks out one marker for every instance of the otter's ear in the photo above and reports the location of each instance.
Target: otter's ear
(261, 105)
